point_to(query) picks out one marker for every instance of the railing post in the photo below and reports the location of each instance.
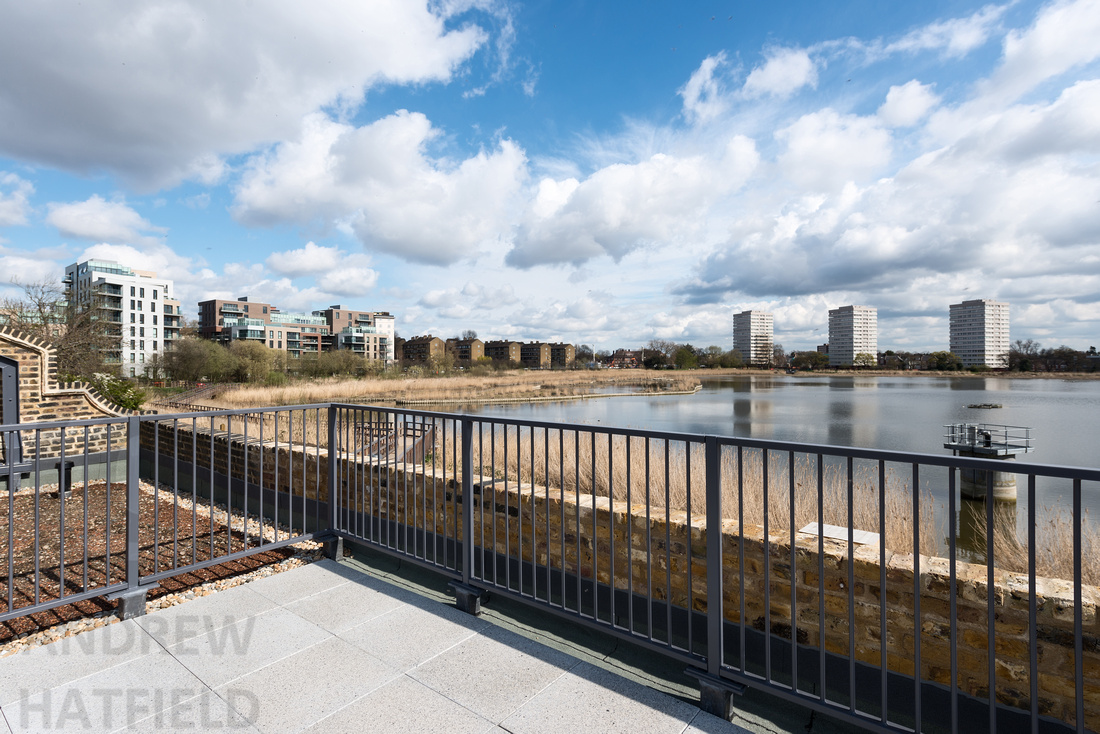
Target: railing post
(715, 693)
(467, 596)
(131, 602)
(334, 546)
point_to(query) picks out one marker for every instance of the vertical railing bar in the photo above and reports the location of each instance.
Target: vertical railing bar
(333, 454)
(211, 517)
(408, 527)
(767, 572)
(577, 512)
(290, 473)
(317, 472)
(851, 590)
(691, 570)
(1032, 608)
(918, 715)
(595, 540)
(467, 500)
(107, 523)
(229, 482)
(561, 518)
(244, 503)
(305, 467)
(481, 496)
(62, 485)
(156, 494)
(793, 573)
(11, 437)
(435, 498)
(991, 621)
(741, 551)
(507, 517)
(260, 513)
(194, 487)
(493, 511)
(519, 507)
(953, 596)
(1078, 641)
(611, 521)
(275, 519)
(546, 483)
(713, 480)
(668, 549)
(37, 492)
(87, 484)
(534, 525)
(629, 543)
(133, 527)
(882, 642)
(821, 575)
(648, 547)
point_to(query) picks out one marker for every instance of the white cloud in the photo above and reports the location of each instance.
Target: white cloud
(338, 272)
(1063, 37)
(955, 37)
(785, 72)
(307, 260)
(826, 149)
(162, 90)
(702, 94)
(99, 219)
(906, 105)
(621, 207)
(15, 195)
(381, 180)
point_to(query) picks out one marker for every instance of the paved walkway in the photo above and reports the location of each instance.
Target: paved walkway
(331, 647)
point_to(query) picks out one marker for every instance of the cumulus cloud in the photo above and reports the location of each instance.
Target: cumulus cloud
(702, 94)
(101, 98)
(825, 149)
(99, 219)
(906, 105)
(622, 207)
(339, 273)
(785, 72)
(15, 194)
(381, 180)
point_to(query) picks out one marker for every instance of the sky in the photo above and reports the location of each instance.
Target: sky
(603, 173)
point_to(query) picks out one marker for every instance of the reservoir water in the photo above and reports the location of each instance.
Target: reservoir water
(895, 413)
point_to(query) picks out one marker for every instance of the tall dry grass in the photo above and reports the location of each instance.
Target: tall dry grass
(499, 385)
(1053, 544)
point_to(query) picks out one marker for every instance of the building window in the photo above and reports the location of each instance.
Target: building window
(246, 308)
(132, 330)
(154, 334)
(141, 318)
(132, 318)
(141, 293)
(133, 305)
(132, 357)
(142, 360)
(154, 319)
(265, 309)
(133, 345)
(132, 372)
(142, 344)
(154, 294)
(141, 331)
(154, 346)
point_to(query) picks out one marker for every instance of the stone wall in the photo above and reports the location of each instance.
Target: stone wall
(42, 398)
(382, 491)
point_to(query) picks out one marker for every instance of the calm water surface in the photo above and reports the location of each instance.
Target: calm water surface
(894, 413)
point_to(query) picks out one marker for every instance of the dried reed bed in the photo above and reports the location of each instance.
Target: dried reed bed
(517, 384)
(1053, 544)
(672, 474)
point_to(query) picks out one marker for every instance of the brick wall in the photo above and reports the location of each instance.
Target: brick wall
(42, 398)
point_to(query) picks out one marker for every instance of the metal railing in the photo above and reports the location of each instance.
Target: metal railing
(855, 582)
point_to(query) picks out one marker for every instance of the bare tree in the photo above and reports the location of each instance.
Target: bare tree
(83, 335)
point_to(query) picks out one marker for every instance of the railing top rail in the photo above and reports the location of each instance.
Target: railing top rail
(51, 425)
(220, 412)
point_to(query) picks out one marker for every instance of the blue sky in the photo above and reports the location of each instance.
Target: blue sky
(603, 173)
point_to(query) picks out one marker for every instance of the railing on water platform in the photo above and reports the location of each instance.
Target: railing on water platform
(837, 591)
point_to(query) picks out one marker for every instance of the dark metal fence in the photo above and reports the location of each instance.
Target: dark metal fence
(856, 582)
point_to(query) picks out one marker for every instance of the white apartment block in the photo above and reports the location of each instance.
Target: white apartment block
(137, 305)
(979, 332)
(753, 336)
(852, 330)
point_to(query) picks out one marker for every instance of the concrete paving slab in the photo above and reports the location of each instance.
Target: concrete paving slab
(72, 658)
(206, 712)
(588, 698)
(344, 606)
(493, 673)
(301, 696)
(403, 706)
(705, 723)
(109, 699)
(201, 616)
(283, 588)
(225, 654)
(411, 635)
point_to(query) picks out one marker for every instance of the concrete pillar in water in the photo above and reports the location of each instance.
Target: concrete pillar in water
(974, 483)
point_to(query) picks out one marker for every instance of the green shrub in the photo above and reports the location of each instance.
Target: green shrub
(119, 391)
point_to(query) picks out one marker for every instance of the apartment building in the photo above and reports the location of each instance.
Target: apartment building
(979, 333)
(221, 320)
(466, 350)
(369, 334)
(535, 355)
(753, 337)
(562, 355)
(852, 330)
(136, 304)
(421, 349)
(503, 351)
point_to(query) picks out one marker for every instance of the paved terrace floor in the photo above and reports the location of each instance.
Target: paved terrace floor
(361, 645)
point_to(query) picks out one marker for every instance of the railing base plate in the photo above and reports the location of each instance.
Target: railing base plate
(468, 598)
(333, 548)
(131, 602)
(716, 694)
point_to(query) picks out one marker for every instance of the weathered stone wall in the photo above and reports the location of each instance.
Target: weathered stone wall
(42, 398)
(678, 540)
